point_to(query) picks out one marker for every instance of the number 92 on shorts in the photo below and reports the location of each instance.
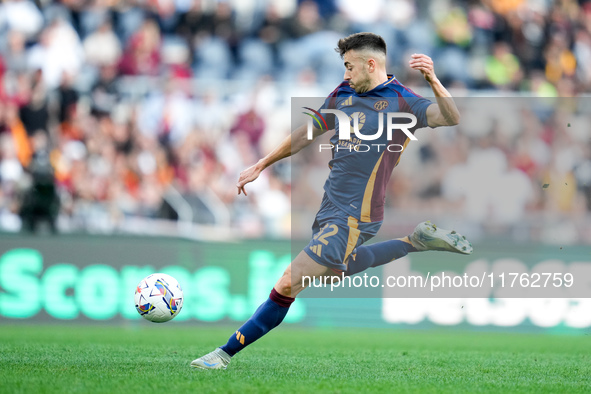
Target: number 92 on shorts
(336, 235)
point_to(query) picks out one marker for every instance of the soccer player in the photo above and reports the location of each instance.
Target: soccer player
(352, 208)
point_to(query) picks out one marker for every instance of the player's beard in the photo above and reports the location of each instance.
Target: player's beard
(362, 85)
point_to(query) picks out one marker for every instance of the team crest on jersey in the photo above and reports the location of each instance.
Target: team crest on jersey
(381, 105)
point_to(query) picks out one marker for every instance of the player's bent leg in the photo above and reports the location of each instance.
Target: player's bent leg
(378, 254)
(268, 316)
(428, 236)
(425, 237)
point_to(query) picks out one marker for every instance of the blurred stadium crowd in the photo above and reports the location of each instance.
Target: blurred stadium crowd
(117, 110)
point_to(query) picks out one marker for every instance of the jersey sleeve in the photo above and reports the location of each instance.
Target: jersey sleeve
(331, 103)
(417, 105)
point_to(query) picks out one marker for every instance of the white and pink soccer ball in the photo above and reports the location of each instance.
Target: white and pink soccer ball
(158, 298)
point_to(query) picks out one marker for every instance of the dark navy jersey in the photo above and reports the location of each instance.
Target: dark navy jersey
(360, 168)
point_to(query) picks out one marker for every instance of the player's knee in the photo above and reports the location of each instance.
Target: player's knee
(283, 285)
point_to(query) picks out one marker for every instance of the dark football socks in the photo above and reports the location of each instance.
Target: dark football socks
(269, 315)
(377, 254)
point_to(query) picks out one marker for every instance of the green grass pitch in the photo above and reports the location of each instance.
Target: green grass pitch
(155, 358)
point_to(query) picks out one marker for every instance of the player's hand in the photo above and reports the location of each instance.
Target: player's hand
(247, 176)
(424, 64)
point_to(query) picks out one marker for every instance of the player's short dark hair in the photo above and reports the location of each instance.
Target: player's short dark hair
(361, 41)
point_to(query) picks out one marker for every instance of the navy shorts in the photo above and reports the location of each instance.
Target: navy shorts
(336, 235)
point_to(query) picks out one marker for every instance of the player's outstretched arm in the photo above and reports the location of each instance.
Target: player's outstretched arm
(291, 145)
(445, 112)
